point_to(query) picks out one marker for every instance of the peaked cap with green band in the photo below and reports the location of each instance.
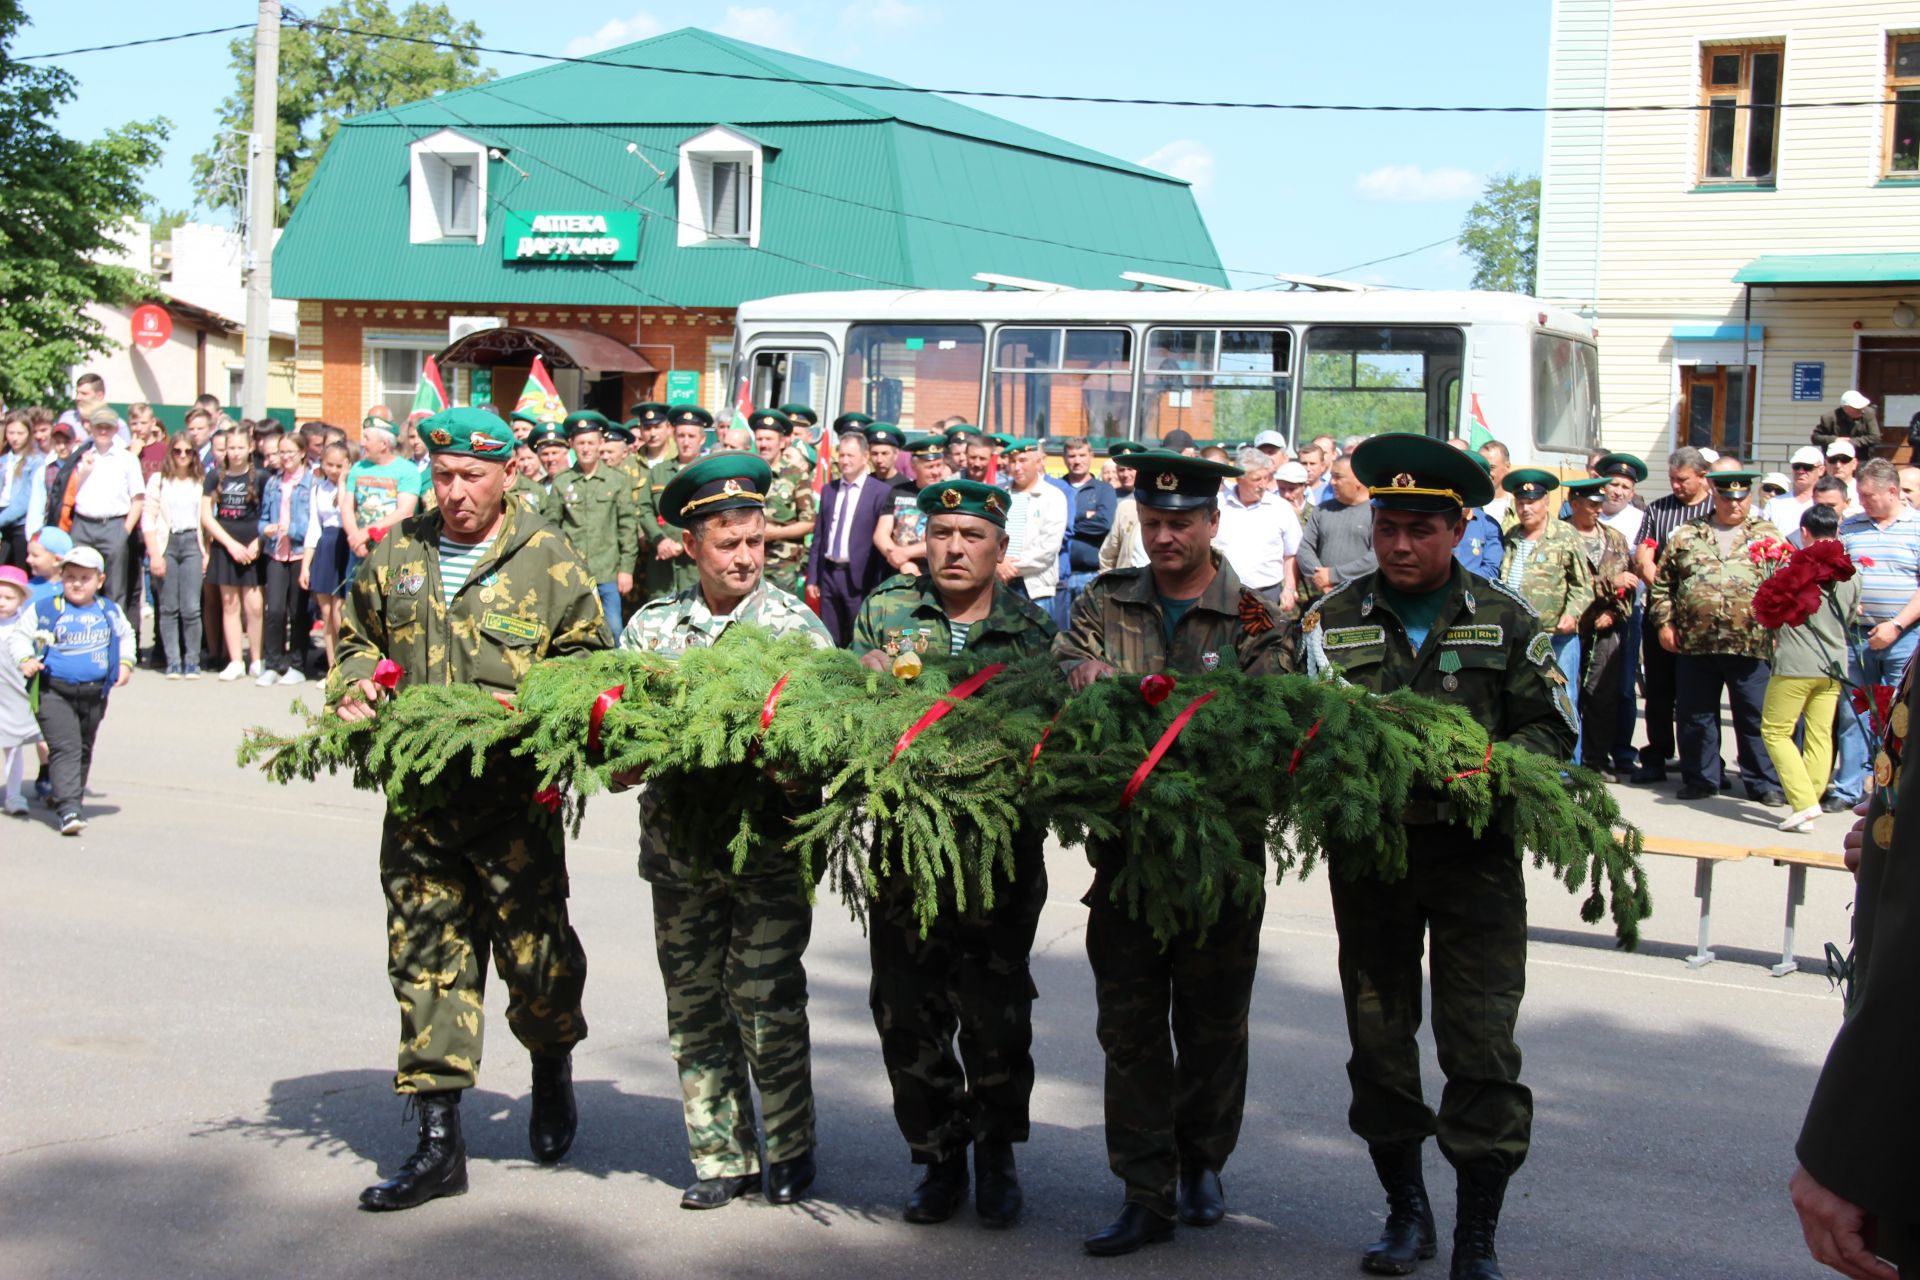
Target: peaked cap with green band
(546, 433)
(521, 415)
(852, 422)
(1122, 448)
(621, 431)
(962, 431)
(1407, 472)
(886, 433)
(1587, 486)
(1168, 481)
(650, 413)
(585, 420)
(771, 420)
(1733, 484)
(1624, 465)
(965, 498)
(801, 415)
(723, 482)
(467, 433)
(926, 447)
(1018, 446)
(1000, 438)
(683, 413)
(1528, 483)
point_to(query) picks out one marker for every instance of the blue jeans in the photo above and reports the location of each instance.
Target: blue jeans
(609, 593)
(1566, 656)
(1061, 606)
(1625, 758)
(1865, 668)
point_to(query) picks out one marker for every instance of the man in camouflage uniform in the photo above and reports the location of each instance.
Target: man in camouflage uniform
(592, 504)
(1173, 1109)
(790, 500)
(1420, 621)
(968, 974)
(730, 942)
(1603, 623)
(667, 570)
(1701, 609)
(1544, 564)
(487, 870)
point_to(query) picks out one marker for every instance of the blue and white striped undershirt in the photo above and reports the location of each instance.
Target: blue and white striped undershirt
(457, 560)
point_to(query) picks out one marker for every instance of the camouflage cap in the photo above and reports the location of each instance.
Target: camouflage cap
(1407, 472)
(467, 433)
(723, 482)
(685, 413)
(1170, 481)
(965, 498)
(771, 420)
(1528, 483)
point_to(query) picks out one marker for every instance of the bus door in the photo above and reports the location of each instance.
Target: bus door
(780, 374)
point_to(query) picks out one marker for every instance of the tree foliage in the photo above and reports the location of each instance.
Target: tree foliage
(324, 78)
(1502, 233)
(62, 209)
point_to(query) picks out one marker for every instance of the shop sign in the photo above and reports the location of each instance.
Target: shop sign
(570, 237)
(683, 386)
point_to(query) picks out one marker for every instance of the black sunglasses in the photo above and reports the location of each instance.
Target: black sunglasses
(1806, 466)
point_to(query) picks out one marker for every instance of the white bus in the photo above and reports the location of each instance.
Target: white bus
(1224, 365)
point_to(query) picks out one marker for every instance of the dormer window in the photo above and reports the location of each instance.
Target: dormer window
(720, 184)
(448, 183)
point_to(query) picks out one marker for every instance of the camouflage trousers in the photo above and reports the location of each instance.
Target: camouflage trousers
(458, 883)
(968, 978)
(1470, 898)
(1172, 1102)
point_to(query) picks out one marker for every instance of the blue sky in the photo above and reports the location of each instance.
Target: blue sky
(1282, 191)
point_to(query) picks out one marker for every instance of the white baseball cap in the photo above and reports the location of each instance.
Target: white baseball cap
(1777, 480)
(1711, 455)
(1806, 456)
(1841, 448)
(1290, 473)
(1266, 438)
(1854, 400)
(86, 558)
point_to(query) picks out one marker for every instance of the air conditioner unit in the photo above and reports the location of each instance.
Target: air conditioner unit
(459, 327)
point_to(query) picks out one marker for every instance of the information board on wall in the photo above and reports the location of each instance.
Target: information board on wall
(683, 386)
(1809, 379)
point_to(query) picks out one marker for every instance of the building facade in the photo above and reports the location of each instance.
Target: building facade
(609, 215)
(1750, 249)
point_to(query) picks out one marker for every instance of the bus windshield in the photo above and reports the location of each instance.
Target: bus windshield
(914, 375)
(1364, 381)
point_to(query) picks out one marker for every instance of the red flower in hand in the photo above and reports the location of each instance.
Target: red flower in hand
(548, 798)
(1826, 560)
(375, 534)
(1789, 597)
(1156, 689)
(1882, 703)
(387, 674)
(1865, 562)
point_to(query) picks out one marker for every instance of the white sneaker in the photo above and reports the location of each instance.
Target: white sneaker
(257, 668)
(1801, 821)
(267, 678)
(17, 806)
(233, 671)
(293, 676)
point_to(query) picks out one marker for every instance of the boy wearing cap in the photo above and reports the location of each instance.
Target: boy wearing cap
(966, 975)
(1855, 419)
(1420, 622)
(473, 591)
(592, 506)
(90, 652)
(19, 727)
(730, 942)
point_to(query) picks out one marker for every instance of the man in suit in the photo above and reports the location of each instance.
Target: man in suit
(843, 565)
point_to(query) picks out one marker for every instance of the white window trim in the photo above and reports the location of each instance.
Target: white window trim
(721, 390)
(372, 389)
(426, 163)
(699, 152)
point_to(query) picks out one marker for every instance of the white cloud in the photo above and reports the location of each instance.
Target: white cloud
(762, 25)
(1411, 184)
(1187, 160)
(614, 33)
(884, 15)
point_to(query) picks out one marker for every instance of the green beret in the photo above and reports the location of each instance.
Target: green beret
(886, 433)
(852, 422)
(621, 431)
(962, 431)
(1121, 448)
(927, 447)
(1528, 483)
(1624, 465)
(723, 482)
(650, 413)
(1408, 472)
(1587, 487)
(1733, 484)
(771, 420)
(965, 498)
(685, 413)
(467, 433)
(801, 415)
(1171, 481)
(546, 433)
(585, 420)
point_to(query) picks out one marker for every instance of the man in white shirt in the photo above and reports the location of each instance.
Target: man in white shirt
(1499, 462)
(1259, 531)
(1804, 470)
(106, 504)
(1036, 525)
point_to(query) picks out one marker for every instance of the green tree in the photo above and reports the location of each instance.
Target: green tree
(1502, 233)
(62, 209)
(324, 78)
(162, 222)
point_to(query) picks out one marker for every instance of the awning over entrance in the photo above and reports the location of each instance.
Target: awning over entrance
(1830, 268)
(558, 348)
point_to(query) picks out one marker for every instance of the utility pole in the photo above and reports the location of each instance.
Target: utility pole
(260, 204)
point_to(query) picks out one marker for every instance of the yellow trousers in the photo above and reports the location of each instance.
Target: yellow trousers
(1804, 770)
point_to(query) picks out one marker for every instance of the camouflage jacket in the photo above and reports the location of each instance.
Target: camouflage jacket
(531, 495)
(683, 621)
(1707, 598)
(790, 500)
(597, 516)
(905, 612)
(1557, 582)
(1486, 651)
(1117, 620)
(530, 598)
(1607, 557)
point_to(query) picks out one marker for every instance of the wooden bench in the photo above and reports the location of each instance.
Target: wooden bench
(1796, 861)
(1706, 856)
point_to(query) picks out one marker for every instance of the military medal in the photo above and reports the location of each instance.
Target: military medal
(1209, 660)
(1882, 769)
(1883, 831)
(907, 664)
(1449, 664)
(1898, 721)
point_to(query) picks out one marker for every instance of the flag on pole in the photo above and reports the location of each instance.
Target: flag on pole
(1481, 433)
(539, 397)
(430, 397)
(742, 403)
(823, 450)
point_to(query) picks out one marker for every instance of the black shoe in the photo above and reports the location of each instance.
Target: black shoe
(1771, 799)
(996, 1193)
(1726, 783)
(1202, 1200)
(1137, 1225)
(1834, 804)
(1409, 1238)
(437, 1167)
(940, 1193)
(1481, 1192)
(551, 1126)
(788, 1180)
(1647, 773)
(712, 1193)
(1691, 792)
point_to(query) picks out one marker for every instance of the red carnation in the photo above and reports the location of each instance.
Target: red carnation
(1155, 689)
(1788, 598)
(548, 798)
(1882, 702)
(1826, 561)
(387, 674)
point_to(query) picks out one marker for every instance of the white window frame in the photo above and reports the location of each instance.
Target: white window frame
(432, 162)
(698, 156)
(426, 342)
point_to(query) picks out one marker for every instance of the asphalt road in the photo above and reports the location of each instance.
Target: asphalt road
(199, 1040)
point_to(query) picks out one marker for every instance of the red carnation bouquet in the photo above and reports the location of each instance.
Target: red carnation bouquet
(1797, 585)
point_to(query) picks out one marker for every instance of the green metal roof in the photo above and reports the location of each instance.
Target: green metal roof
(866, 190)
(1830, 268)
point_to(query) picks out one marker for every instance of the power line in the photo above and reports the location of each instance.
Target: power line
(1406, 253)
(134, 44)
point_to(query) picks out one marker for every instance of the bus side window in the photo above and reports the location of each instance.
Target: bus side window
(1365, 380)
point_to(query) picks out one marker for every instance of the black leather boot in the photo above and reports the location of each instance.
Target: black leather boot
(1481, 1192)
(551, 1126)
(712, 1193)
(437, 1167)
(788, 1180)
(940, 1193)
(1202, 1200)
(1136, 1226)
(996, 1193)
(1408, 1238)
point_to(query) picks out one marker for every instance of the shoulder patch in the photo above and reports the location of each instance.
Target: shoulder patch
(1540, 650)
(1512, 595)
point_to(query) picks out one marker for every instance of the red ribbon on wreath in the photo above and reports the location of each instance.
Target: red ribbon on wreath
(601, 705)
(1045, 733)
(548, 798)
(1485, 761)
(1294, 763)
(1160, 749)
(960, 693)
(773, 698)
